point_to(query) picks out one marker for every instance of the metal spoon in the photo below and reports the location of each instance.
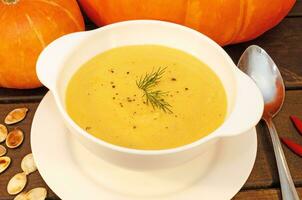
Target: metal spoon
(256, 63)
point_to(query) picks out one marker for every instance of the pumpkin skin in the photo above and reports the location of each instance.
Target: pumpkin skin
(26, 27)
(226, 22)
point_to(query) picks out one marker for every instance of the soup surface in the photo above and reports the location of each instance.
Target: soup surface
(146, 97)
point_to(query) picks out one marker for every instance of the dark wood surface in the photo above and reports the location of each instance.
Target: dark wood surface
(283, 43)
(297, 10)
(262, 194)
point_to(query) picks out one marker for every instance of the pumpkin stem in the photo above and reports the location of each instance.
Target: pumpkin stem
(9, 2)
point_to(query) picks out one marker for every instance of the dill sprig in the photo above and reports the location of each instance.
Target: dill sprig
(154, 97)
(150, 80)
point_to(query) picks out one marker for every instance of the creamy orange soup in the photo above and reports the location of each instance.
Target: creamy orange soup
(114, 97)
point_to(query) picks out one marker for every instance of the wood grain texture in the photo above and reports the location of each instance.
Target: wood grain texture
(297, 10)
(14, 95)
(268, 194)
(292, 106)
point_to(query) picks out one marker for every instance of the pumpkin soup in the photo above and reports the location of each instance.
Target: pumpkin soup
(146, 97)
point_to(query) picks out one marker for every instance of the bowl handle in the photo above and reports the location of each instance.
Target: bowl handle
(52, 58)
(248, 108)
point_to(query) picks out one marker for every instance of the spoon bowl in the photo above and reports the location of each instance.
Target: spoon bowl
(262, 69)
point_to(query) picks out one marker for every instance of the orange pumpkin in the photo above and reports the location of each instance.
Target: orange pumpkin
(26, 27)
(227, 22)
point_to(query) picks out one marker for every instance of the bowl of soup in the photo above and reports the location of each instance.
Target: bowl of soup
(148, 94)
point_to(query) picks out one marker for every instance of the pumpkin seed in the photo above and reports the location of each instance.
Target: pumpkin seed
(3, 132)
(16, 183)
(36, 194)
(16, 115)
(2, 150)
(4, 163)
(14, 138)
(28, 165)
(21, 196)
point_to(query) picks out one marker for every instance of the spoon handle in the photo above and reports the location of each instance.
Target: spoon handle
(288, 189)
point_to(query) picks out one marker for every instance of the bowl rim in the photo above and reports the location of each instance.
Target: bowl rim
(147, 152)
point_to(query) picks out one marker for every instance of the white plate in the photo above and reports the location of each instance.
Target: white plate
(74, 173)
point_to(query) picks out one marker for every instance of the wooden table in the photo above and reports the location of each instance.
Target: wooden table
(283, 43)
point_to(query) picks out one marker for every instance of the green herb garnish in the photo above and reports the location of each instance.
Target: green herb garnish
(154, 97)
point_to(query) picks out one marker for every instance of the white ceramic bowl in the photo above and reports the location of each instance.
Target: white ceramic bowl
(62, 58)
